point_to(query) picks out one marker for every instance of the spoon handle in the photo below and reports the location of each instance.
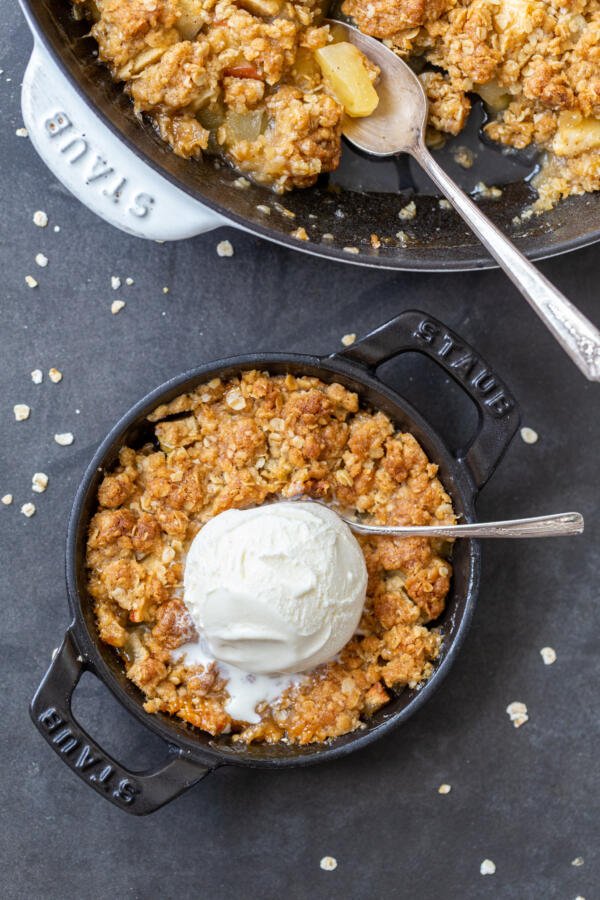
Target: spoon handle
(539, 526)
(573, 331)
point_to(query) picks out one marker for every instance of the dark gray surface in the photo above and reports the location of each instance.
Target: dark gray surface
(527, 798)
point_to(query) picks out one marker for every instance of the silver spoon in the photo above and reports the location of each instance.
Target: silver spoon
(398, 126)
(556, 525)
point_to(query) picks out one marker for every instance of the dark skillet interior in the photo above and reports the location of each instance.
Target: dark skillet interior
(134, 430)
(361, 199)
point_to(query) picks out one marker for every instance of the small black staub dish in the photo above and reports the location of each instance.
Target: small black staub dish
(190, 753)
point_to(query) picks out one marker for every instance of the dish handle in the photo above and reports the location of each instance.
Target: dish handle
(96, 166)
(418, 332)
(138, 793)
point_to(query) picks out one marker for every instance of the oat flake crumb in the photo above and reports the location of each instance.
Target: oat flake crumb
(348, 339)
(408, 212)
(487, 867)
(7, 499)
(444, 788)
(40, 218)
(165, 290)
(30, 281)
(518, 713)
(444, 204)
(115, 282)
(22, 132)
(529, 435)
(265, 210)
(39, 482)
(548, 655)
(37, 376)
(41, 260)
(578, 861)
(224, 248)
(28, 509)
(354, 250)
(129, 281)
(328, 863)
(64, 439)
(116, 306)
(21, 411)
(54, 375)
(56, 229)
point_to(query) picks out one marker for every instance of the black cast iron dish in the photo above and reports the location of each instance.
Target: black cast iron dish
(363, 198)
(191, 753)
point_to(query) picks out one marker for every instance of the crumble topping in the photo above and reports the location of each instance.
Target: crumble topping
(236, 444)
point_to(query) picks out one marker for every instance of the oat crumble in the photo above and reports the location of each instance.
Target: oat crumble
(224, 248)
(548, 654)
(28, 509)
(529, 436)
(116, 306)
(30, 281)
(487, 867)
(37, 376)
(328, 863)
(7, 499)
(40, 218)
(39, 482)
(236, 444)
(518, 713)
(41, 260)
(55, 375)
(21, 411)
(348, 339)
(64, 439)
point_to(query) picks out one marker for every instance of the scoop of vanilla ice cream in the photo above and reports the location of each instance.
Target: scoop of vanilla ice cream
(279, 588)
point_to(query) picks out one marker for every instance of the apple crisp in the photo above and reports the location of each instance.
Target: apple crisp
(241, 77)
(237, 444)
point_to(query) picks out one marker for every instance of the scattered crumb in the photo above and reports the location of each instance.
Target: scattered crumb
(444, 788)
(327, 236)
(285, 211)
(37, 376)
(518, 713)
(402, 237)
(375, 241)
(353, 250)
(224, 248)
(41, 260)
(487, 191)
(21, 411)
(300, 233)
(340, 214)
(408, 212)
(444, 204)
(464, 157)
(22, 132)
(65, 439)
(165, 290)
(39, 482)
(115, 282)
(548, 655)
(56, 229)
(529, 435)
(55, 375)
(265, 210)
(40, 218)
(116, 306)
(30, 281)
(241, 183)
(28, 509)
(487, 867)
(578, 861)
(328, 863)
(348, 339)
(7, 499)
(524, 217)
